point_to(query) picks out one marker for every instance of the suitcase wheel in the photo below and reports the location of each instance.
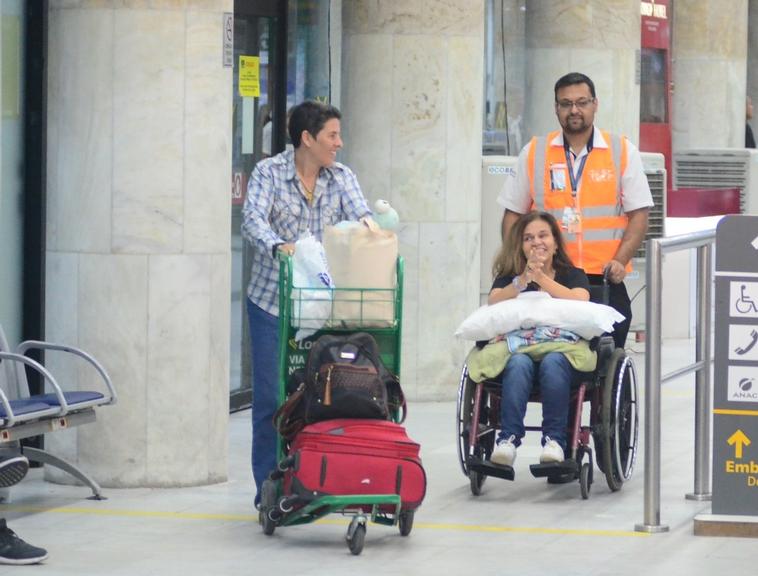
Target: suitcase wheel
(356, 534)
(405, 522)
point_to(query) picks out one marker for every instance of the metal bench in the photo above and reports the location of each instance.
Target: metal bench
(23, 415)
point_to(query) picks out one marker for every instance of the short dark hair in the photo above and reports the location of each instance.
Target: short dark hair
(311, 117)
(572, 79)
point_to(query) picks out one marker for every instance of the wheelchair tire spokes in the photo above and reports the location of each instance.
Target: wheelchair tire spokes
(619, 423)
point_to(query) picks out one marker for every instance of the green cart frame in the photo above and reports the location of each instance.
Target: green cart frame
(359, 303)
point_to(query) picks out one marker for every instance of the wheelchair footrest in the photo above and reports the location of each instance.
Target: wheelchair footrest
(554, 470)
(489, 469)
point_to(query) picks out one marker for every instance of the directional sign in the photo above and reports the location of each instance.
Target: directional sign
(735, 393)
(738, 440)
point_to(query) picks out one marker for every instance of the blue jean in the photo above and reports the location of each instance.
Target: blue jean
(555, 376)
(264, 339)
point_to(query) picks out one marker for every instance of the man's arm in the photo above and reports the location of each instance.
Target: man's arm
(509, 219)
(514, 196)
(634, 234)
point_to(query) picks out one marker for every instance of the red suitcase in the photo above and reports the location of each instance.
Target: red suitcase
(354, 457)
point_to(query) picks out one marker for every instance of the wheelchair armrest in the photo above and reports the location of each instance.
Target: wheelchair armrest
(604, 346)
(38, 345)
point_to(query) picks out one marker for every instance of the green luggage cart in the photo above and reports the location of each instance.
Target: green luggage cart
(377, 311)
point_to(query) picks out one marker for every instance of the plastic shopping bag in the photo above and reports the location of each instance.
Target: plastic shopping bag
(312, 287)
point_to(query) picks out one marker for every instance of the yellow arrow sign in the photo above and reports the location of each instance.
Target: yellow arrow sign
(738, 440)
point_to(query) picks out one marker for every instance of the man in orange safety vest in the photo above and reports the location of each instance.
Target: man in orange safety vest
(593, 182)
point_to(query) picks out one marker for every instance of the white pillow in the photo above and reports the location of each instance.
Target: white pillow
(530, 309)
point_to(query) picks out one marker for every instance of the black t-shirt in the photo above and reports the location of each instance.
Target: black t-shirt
(569, 277)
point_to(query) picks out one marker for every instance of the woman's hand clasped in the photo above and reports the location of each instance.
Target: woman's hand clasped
(535, 266)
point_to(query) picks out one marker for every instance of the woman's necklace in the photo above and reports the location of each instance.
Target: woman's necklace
(308, 191)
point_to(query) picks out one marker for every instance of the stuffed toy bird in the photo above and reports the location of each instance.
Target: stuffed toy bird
(385, 215)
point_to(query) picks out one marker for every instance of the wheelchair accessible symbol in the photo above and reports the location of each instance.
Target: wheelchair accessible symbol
(743, 299)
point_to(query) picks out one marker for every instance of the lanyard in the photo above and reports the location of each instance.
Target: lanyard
(576, 179)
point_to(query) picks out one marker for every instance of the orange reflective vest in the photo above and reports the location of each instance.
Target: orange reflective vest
(603, 222)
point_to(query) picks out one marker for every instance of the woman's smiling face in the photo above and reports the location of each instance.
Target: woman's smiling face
(538, 239)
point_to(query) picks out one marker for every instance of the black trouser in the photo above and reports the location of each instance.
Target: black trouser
(618, 299)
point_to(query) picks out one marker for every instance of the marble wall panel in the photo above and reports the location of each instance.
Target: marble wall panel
(408, 236)
(419, 93)
(207, 137)
(113, 314)
(61, 326)
(178, 387)
(148, 158)
(444, 257)
(472, 272)
(413, 16)
(61, 311)
(367, 130)
(217, 410)
(598, 24)
(721, 83)
(543, 68)
(707, 29)
(464, 129)
(81, 168)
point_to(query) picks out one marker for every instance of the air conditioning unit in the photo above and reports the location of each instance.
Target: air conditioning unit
(720, 168)
(654, 165)
(494, 171)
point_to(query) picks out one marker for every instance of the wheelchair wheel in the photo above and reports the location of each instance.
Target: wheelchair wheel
(476, 481)
(485, 442)
(585, 480)
(620, 420)
(464, 406)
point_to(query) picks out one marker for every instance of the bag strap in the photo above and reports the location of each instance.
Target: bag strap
(395, 392)
(282, 420)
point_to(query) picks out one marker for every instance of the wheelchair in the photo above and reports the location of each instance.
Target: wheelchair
(611, 391)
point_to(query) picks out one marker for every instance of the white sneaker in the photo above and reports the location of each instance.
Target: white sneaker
(504, 453)
(551, 451)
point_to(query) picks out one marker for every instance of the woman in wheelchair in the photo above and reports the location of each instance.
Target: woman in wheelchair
(533, 257)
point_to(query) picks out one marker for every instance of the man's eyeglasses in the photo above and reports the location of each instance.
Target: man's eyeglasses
(582, 103)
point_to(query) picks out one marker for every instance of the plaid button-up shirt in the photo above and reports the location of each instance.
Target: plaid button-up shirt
(276, 212)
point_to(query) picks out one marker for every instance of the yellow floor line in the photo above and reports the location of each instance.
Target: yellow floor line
(131, 513)
(341, 522)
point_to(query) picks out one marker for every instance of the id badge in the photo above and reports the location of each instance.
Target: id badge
(558, 177)
(572, 220)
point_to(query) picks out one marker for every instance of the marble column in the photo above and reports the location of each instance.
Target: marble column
(412, 92)
(599, 38)
(710, 71)
(138, 233)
